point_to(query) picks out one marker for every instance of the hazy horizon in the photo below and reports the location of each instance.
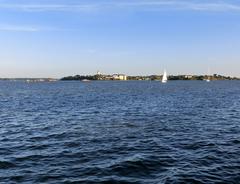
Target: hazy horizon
(91, 74)
(57, 38)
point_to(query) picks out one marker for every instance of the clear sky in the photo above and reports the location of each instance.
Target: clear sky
(55, 38)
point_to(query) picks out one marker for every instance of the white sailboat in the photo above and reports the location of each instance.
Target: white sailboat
(208, 76)
(164, 78)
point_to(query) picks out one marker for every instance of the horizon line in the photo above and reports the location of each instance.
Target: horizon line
(121, 74)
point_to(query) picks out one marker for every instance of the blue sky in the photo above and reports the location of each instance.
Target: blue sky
(55, 38)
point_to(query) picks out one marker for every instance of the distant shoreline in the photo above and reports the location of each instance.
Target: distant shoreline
(128, 78)
(147, 78)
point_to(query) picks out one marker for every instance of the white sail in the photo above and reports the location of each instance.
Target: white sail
(164, 79)
(208, 76)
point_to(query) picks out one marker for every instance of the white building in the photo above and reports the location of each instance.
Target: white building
(188, 76)
(119, 77)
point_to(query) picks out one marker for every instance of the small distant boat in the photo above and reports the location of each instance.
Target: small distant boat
(86, 80)
(164, 78)
(208, 76)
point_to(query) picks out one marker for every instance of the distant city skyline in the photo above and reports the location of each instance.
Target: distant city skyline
(57, 38)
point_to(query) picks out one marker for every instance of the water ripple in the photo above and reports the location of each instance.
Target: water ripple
(120, 132)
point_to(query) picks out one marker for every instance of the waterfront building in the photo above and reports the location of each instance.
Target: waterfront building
(188, 76)
(119, 77)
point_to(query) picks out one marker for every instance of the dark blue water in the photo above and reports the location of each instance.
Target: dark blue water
(120, 132)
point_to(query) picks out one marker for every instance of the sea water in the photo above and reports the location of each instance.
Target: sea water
(120, 132)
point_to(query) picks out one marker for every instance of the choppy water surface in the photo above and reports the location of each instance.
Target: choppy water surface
(120, 132)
